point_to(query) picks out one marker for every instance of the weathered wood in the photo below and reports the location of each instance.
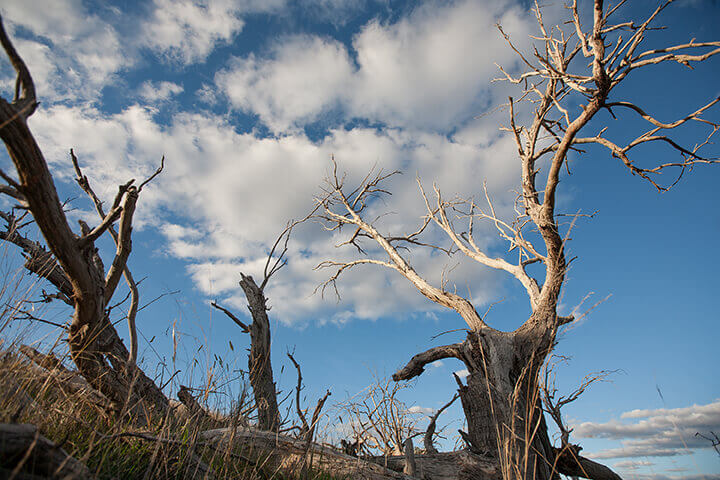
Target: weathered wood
(93, 341)
(259, 364)
(25, 450)
(259, 361)
(572, 464)
(48, 367)
(445, 465)
(410, 467)
(278, 453)
(432, 425)
(197, 412)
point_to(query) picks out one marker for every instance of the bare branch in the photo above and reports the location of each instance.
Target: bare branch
(155, 174)
(245, 328)
(416, 365)
(430, 432)
(25, 101)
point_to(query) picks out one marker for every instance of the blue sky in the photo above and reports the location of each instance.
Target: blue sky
(248, 100)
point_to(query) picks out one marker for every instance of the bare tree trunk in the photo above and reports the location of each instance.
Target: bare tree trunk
(502, 404)
(92, 340)
(259, 363)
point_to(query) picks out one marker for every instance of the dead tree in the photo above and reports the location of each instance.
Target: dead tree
(379, 420)
(259, 361)
(71, 262)
(501, 399)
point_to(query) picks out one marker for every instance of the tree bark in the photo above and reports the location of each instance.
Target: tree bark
(259, 363)
(92, 340)
(24, 451)
(501, 399)
(279, 453)
(570, 463)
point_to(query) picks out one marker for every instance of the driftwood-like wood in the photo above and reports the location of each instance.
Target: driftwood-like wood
(259, 361)
(25, 452)
(49, 367)
(571, 464)
(278, 453)
(410, 467)
(444, 465)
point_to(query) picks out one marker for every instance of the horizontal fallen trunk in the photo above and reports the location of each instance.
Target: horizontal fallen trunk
(70, 382)
(278, 453)
(444, 465)
(26, 453)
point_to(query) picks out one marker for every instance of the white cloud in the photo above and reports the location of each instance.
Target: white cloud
(430, 70)
(71, 53)
(421, 410)
(244, 189)
(303, 76)
(632, 465)
(187, 31)
(238, 190)
(159, 91)
(207, 94)
(660, 432)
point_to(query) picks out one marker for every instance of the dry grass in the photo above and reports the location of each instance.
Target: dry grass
(167, 448)
(69, 413)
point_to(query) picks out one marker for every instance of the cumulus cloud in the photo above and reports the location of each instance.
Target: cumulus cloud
(302, 76)
(187, 31)
(430, 70)
(159, 91)
(237, 203)
(655, 433)
(71, 53)
(225, 194)
(446, 53)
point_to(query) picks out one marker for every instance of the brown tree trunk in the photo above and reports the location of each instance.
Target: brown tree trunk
(502, 404)
(92, 339)
(259, 364)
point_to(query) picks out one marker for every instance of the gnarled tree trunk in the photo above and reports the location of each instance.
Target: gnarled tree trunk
(94, 344)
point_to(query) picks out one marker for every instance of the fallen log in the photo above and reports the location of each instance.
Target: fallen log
(279, 453)
(26, 453)
(443, 465)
